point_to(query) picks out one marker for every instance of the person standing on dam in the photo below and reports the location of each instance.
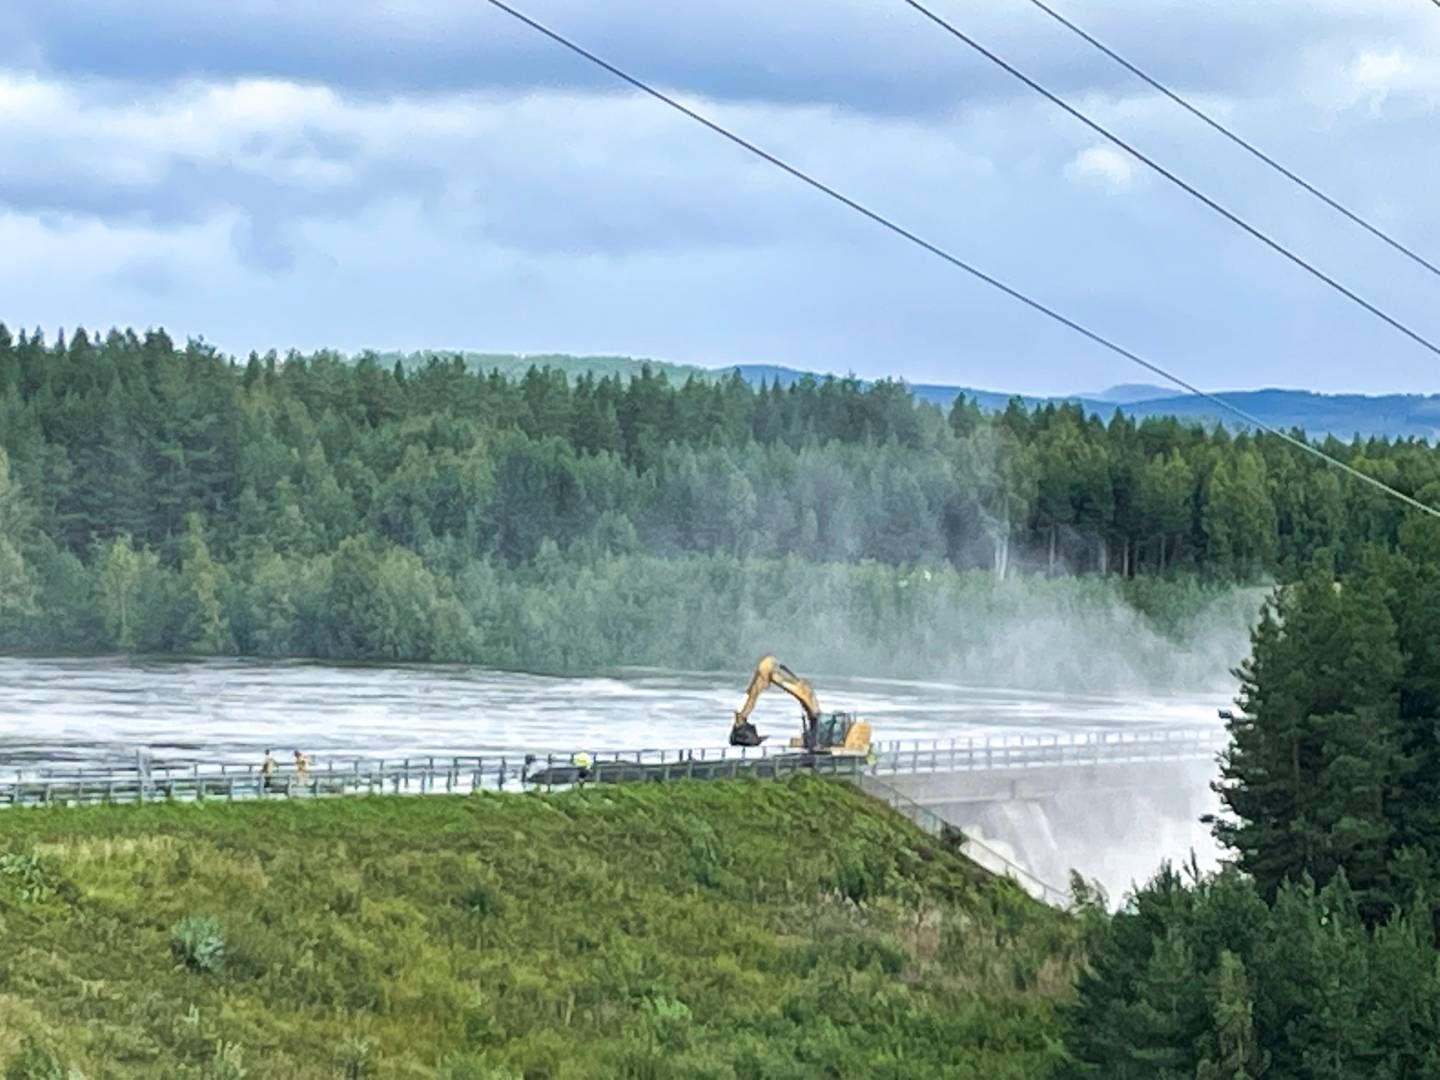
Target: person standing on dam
(267, 771)
(302, 770)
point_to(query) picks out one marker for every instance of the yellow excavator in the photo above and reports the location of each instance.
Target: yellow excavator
(821, 733)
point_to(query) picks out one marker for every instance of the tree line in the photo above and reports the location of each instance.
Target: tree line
(172, 498)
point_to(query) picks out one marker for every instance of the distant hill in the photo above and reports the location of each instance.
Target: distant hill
(1128, 392)
(1341, 415)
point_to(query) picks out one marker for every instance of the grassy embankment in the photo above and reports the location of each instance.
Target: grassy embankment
(700, 930)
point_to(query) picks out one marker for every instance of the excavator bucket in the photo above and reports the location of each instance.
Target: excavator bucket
(744, 734)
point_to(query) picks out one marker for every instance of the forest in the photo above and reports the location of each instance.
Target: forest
(1313, 954)
(165, 499)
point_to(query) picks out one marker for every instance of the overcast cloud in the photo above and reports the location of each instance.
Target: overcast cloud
(430, 174)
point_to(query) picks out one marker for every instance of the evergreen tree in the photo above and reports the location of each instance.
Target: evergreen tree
(1234, 1052)
(1305, 777)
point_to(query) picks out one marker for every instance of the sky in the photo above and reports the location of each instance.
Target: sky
(431, 174)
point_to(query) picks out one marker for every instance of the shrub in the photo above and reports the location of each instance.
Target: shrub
(667, 1009)
(481, 898)
(356, 1058)
(198, 941)
(32, 879)
(227, 1064)
(36, 1061)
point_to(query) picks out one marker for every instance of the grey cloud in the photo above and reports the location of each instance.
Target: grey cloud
(583, 221)
(876, 56)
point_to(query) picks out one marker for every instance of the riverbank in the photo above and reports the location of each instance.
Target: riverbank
(730, 929)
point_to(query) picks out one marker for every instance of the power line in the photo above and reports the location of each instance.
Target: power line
(957, 262)
(1190, 189)
(1244, 144)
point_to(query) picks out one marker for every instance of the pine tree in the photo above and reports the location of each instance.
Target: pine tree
(1235, 1053)
(1414, 581)
(1305, 777)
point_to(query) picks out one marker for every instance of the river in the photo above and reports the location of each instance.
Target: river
(98, 711)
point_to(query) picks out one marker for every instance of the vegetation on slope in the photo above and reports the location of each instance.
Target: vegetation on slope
(712, 930)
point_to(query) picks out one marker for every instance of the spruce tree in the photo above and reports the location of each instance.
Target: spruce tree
(1305, 777)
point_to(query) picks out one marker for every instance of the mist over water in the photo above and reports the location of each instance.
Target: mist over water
(1070, 636)
(1016, 659)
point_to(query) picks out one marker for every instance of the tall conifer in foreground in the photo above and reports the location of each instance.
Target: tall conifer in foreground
(1313, 754)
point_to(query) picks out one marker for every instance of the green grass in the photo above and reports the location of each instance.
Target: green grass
(741, 929)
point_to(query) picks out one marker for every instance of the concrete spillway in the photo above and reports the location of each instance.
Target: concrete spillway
(1113, 822)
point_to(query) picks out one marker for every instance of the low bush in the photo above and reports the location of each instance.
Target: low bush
(198, 941)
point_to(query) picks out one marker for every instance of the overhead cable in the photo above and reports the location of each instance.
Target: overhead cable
(1238, 140)
(1183, 185)
(958, 263)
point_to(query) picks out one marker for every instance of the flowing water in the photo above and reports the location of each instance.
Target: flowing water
(99, 711)
(60, 714)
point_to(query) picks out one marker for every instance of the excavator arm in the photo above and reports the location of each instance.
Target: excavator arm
(770, 672)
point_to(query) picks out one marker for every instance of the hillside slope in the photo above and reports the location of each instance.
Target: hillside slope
(717, 930)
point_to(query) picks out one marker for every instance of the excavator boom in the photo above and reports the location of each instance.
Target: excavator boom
(770, 672)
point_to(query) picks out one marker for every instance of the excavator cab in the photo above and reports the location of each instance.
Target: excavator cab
(836, 733)
(821, 733)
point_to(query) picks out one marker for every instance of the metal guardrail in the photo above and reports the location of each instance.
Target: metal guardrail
(975, 850)
(159, 779)
(1042, 751)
